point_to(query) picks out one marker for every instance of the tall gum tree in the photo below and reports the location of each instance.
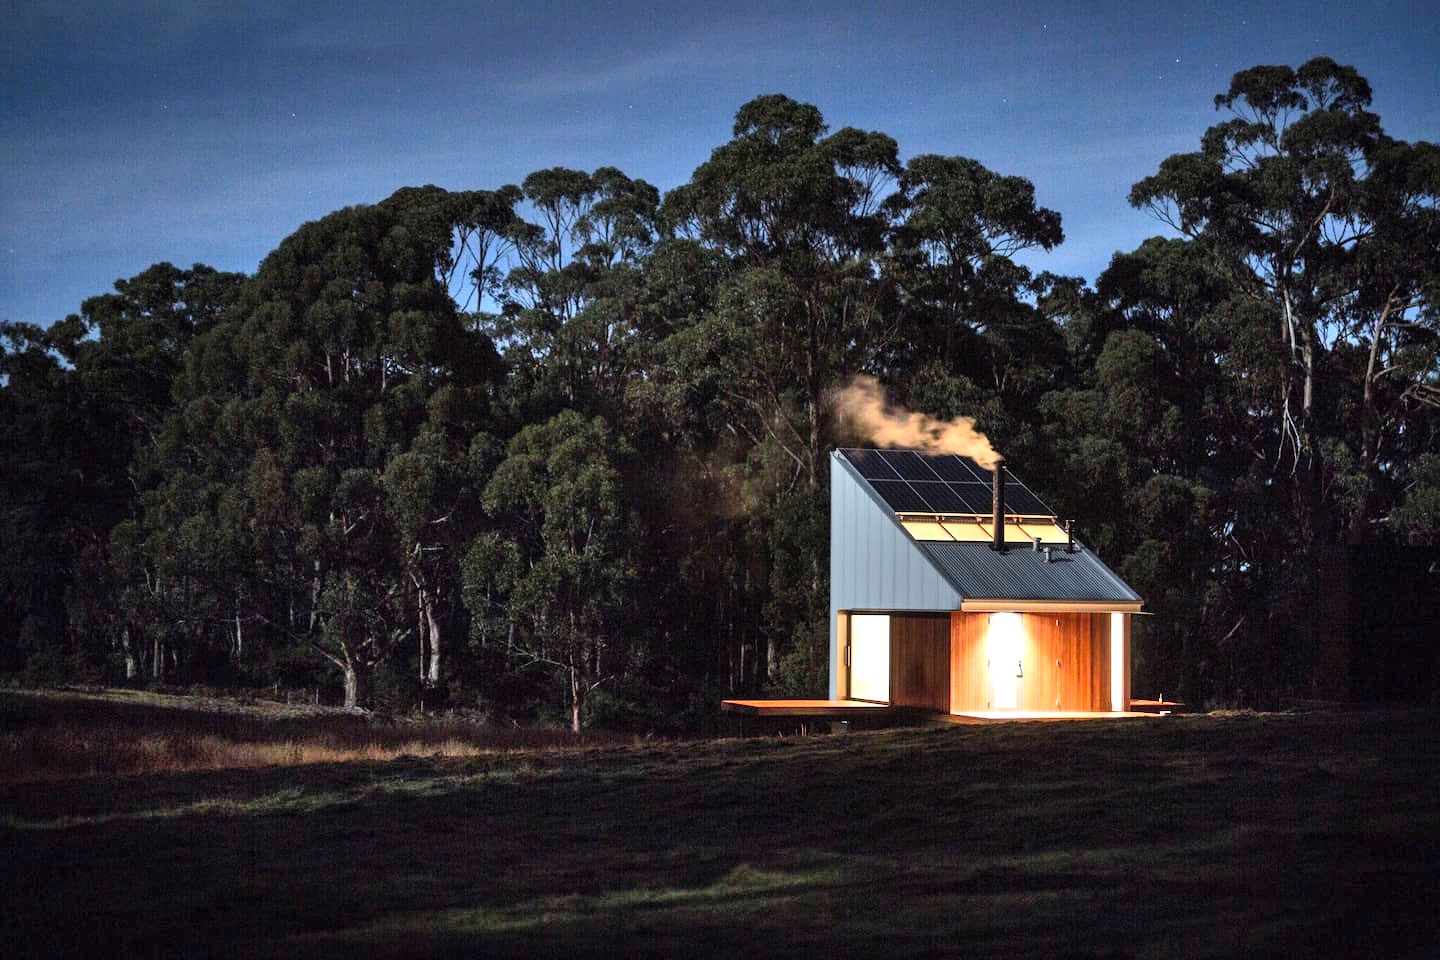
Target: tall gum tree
(82, 403)
(333, 370)
(1324, 229)
(557, 566)
(798, 216)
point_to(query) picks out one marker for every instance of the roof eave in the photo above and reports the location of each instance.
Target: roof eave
(976, 605)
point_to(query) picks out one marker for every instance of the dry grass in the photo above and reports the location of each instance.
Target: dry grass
(49, 736)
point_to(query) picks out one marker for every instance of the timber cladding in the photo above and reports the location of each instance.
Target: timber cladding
(1065, 657)
(1067, 662)
(920, 660)
(969, 674)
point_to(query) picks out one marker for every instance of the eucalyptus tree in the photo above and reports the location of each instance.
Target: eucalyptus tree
(969, 338)
(345, 368)
(799, 217)
(469, 233)
(1324, 231)
(557, 567)
(788, 220)
(86, 398)
(1326, 227)
(566, 323)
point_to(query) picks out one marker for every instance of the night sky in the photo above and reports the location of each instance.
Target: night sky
(205, 132)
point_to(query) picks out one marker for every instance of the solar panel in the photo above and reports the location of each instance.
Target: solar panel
(910, 466)
(870, 465)
(1020, 500)
(910, 482)
(980, 472)
(951, 468)
(940, 496)
(975, 496)
(901, 497)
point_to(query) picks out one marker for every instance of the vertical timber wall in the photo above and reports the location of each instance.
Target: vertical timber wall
(1066, 657)
(920, 661)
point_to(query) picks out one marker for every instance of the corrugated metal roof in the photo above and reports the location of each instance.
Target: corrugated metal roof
(972, 569)
(978, 572)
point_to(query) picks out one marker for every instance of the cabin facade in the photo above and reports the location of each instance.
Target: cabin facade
(956, 590)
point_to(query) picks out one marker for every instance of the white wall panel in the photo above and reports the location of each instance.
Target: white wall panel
(874, 565)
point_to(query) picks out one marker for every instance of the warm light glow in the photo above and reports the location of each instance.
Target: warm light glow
(1004, 645)
(1117, 662)
(968, 532)
(1047, 532)
(870, 657)
(925, 530)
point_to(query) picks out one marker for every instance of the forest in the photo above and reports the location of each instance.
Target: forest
(555, 451)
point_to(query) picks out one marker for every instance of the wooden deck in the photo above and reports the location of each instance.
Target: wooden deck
(1012, 716)
(847, 709)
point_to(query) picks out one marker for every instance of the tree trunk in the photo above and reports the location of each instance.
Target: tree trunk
(432, 622)
(575, 697)
(132, 665)
(354, 686)
(420, 628)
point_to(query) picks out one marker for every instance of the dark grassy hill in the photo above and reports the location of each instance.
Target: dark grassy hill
(1287, 835)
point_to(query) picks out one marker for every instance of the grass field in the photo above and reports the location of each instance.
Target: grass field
(1291, 835)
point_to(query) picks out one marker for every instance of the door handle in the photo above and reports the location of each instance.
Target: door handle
(1019, 668)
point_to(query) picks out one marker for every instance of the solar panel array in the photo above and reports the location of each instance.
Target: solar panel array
(939, 483)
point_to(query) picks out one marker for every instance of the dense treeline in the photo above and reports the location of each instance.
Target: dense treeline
(559, 449)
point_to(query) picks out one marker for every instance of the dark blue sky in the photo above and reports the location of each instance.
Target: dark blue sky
(203, 131)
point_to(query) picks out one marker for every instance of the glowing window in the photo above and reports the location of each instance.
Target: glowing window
(870, 657)
(1117, 662)
(1005, 650)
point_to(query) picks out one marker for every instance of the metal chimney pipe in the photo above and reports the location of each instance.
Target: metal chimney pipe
(997, 506)
(1069, 536)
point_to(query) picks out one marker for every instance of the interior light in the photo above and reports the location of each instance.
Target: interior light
(1117, 662)
(870, 657)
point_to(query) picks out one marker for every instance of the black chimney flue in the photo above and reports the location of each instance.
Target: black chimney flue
(997, 506)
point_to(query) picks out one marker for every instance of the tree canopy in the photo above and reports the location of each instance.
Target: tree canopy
(555, 450)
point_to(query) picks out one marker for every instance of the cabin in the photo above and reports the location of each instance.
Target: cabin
(956, 592)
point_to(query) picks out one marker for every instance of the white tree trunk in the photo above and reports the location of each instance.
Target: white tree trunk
(575, 697)
(354, 686)
(431, 671)
(132, 665)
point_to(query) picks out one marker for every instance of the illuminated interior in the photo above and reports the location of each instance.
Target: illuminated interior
(1005, 651)
(951, 528)
(870, 657)
(1117, 662)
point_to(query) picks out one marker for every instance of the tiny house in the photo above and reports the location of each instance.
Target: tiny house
(955, 589)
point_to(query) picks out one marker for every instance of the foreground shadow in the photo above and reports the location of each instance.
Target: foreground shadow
(1195, 837)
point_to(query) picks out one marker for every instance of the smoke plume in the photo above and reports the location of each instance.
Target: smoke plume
(862, 402)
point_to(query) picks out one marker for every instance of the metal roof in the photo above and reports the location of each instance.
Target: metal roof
(973, 569)
(978, 572)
